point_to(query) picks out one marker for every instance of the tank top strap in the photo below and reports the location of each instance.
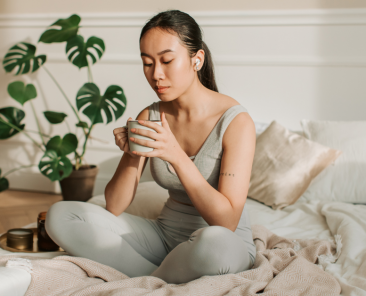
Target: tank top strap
(227, 117)
(154, 112)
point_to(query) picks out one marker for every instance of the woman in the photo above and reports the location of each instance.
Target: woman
(204, 162)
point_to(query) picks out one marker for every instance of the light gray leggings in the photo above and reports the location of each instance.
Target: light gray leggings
(137, 246)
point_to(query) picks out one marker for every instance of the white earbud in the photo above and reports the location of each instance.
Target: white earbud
(197, 63)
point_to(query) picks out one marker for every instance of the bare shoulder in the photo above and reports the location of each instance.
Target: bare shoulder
(225, 102)
(144, 114)
(241, 127)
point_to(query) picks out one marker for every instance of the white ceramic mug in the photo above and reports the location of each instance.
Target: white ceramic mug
(134, 146)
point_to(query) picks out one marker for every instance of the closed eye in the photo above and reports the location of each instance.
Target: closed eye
(148, 65)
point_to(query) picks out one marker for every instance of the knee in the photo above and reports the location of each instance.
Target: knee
(56, 216)
(218, 250)
(211, 245)
(211, 235)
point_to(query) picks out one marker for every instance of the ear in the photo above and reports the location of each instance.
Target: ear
(199, 55)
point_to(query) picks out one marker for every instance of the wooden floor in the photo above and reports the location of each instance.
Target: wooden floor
(19, 208)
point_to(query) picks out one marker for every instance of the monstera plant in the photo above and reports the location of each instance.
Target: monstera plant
(55, 164)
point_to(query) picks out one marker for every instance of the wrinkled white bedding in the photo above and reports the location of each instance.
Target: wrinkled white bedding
(313, 219)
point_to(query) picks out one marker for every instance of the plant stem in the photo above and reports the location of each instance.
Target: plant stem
(63, 93)
(44, 135)
(86, 140)
(20, 130)
(21, 167)
(89, 72)
(39, 127)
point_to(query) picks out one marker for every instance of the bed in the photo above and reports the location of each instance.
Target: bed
(306, 218)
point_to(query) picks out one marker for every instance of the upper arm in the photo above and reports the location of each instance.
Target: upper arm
(238, 145)
(143, 115)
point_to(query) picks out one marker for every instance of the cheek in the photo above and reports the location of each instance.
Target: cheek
(179, 74)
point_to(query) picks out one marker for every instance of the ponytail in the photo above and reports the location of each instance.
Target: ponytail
(207, 74)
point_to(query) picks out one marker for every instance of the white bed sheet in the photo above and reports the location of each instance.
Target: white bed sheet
(303, 220)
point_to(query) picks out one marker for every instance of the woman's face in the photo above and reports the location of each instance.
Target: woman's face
(166, 63)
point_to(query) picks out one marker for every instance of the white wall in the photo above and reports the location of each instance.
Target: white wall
(282, 65)
(94, 6)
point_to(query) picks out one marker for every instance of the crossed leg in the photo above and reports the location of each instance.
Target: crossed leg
(131, 245)
(211, 250)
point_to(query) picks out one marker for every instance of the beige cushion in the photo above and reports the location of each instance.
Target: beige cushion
(284, 165)
(148, 202)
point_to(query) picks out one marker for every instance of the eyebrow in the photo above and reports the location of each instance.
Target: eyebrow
(159, 53)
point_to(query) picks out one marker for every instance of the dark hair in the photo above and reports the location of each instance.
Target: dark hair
(189, 32)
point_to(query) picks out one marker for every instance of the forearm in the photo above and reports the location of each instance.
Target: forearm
(213, 206)
(121, 189)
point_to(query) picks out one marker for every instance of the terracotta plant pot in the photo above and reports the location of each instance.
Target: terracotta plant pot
(80, 184)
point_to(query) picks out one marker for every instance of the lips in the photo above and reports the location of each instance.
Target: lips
(162, 89)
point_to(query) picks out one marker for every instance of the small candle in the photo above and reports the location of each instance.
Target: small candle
(18, 232)
(20, 238)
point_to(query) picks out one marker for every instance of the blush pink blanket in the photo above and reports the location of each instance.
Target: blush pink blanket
(282, 267)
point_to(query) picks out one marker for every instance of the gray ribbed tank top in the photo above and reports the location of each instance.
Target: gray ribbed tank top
(208, 162)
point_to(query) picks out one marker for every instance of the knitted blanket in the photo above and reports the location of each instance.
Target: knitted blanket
(282, 267)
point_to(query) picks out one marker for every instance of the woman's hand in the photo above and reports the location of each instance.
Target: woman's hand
(165, 145)
(121, 139)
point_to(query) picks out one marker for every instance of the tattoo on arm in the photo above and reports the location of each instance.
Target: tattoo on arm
(226, 174)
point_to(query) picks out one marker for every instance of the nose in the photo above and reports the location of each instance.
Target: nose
(158, 73)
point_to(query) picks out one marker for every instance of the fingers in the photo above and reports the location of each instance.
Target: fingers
(152, 125)
(121, 129)
(148, 143)
(146, 133)
(146, 154)
(120, 137)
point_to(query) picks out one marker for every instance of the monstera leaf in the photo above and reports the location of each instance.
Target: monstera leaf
(23, 56)
(63, 146)
(13, 116)
(69, 29)
(22, 93)
(78, 56)
(54, 117)
(113, 101)
(55, 167)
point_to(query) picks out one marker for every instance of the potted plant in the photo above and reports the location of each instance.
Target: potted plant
(75, 176)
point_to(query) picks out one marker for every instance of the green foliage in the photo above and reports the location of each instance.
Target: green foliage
(21, 55)
(82, 124)
(54, 117)
(55, 167)
(63, 146)
(89, 93)
(69, 29)
(4, 184)
(10, 117)
(21, 59)
(79, 55)
(22, 93)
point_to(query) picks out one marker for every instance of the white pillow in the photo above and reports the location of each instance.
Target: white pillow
(345, 180)
(148, 202)
(260, 127)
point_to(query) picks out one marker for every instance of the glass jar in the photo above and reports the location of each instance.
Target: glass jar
(44, 243)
